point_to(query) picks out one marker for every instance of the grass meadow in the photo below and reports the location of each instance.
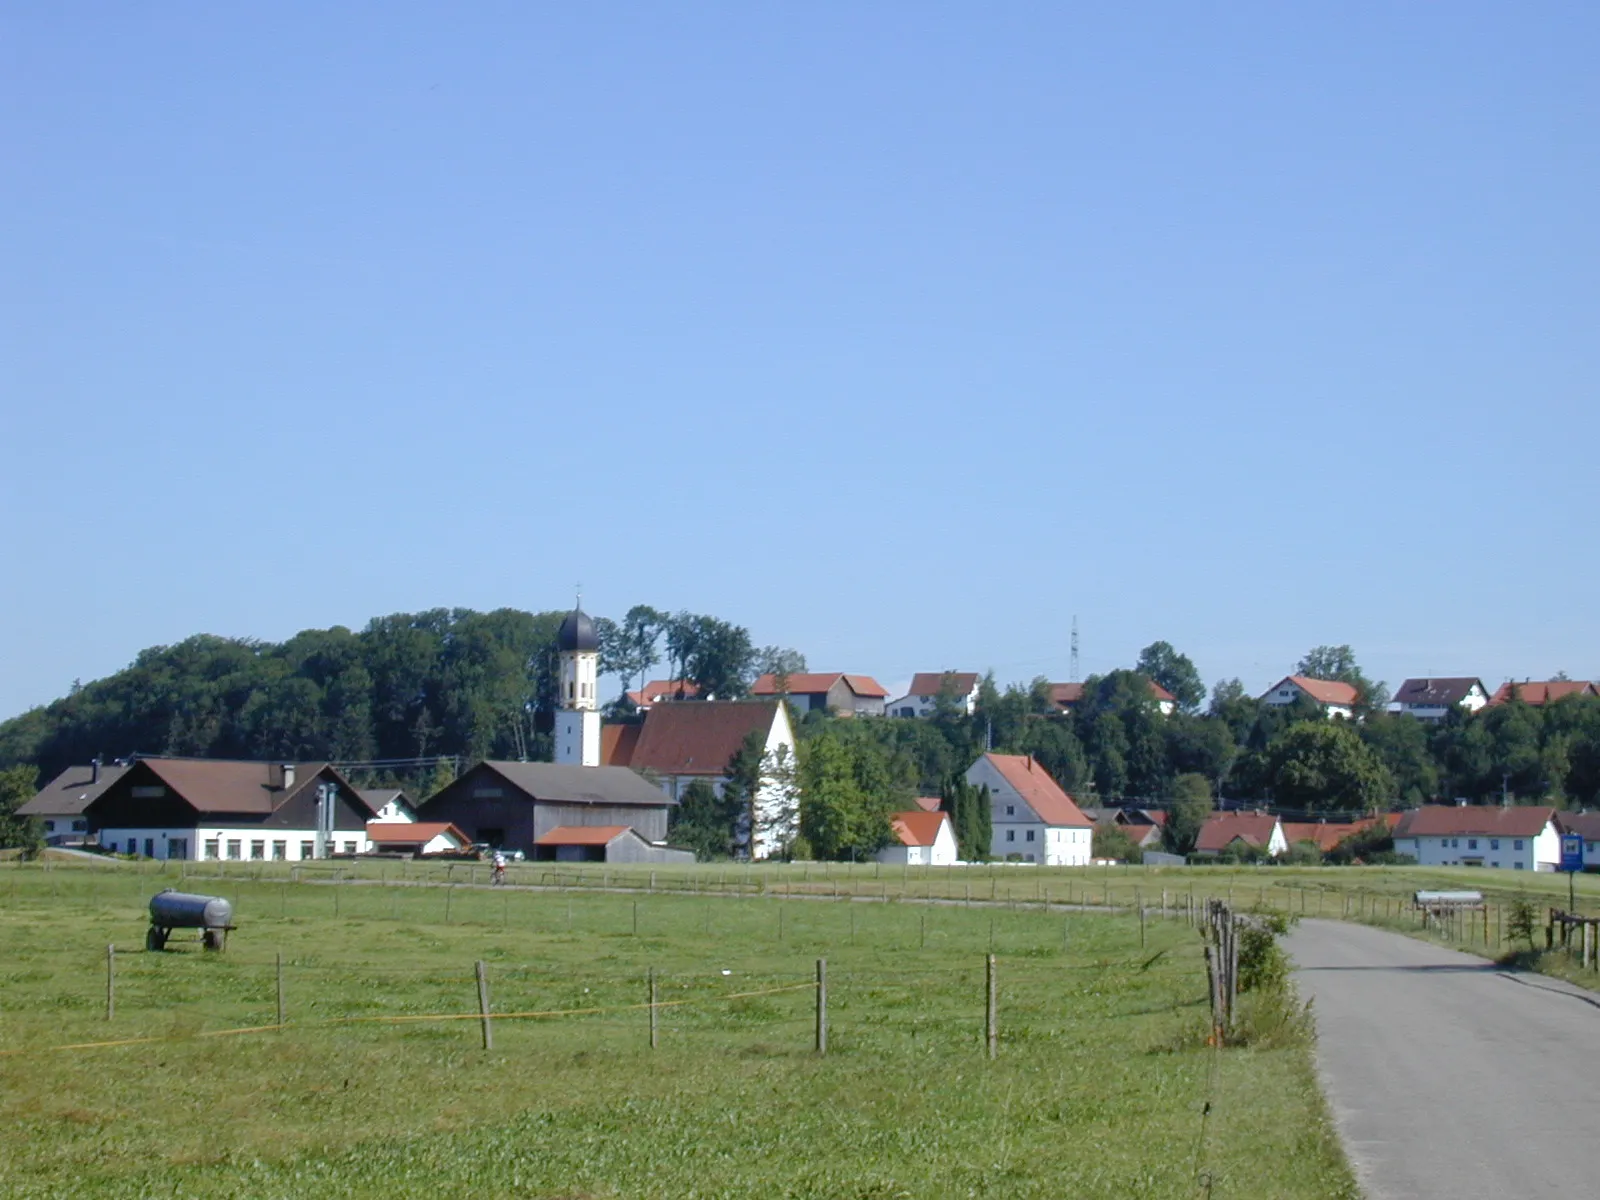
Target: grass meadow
(1102, 1086)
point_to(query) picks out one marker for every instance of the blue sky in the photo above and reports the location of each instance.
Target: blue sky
(900, 333)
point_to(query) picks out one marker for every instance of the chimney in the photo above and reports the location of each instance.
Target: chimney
(1030, 762)
(94, 769)
(288, 776)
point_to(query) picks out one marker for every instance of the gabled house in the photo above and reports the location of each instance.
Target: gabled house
(1515, 838)
(1146, 837)
(59, 805)
(1222, 829)
(604, 844)
(416, 837)
(197, 808)
(1031, 816)
(1333, 696)
(391, 804)
(1587, 826)
(1431, 699)
(510, 805)
(921, 839)
(1324, 835)
(838, 693)
(922, 697)
(680, 743)
(664, 691)
(1541, 691)
(1067, 696)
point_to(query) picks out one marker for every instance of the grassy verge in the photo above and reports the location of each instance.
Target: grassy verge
(1099, 1088)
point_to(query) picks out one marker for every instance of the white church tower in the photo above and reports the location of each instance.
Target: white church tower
(578, 718)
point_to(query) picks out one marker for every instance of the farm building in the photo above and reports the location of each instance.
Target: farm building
(391, 804)
(921, 839)
(416, 837)
(1031, 816)
(511, 805)
(1481, 835)
(59, 805)
(603, 843)
(1222, 829)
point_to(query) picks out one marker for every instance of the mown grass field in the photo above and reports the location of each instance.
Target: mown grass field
(1100, 1088)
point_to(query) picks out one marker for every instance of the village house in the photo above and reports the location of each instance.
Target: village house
(1541, 691)
(391, 804)
(1587, 826)
(416, 837)
(921, 839)
(1067, 696)
(1432, 699)
(193, 808)
(1032, 818)
(1257, 829)
(59, 805)
(1333, 696)
(1514, 838)
(835, 692)
(677, 744)
(510, 805)
(960, 688)
(663, 691)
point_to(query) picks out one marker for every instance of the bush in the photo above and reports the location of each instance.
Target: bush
(1523, 921)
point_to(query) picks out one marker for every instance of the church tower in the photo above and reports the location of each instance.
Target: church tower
(578, 718)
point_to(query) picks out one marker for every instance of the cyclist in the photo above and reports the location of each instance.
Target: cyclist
(499, 875)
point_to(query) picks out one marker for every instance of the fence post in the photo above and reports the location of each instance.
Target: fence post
(654, 1012)
(483, 1004)
(924, 918)
(635, 918)
(991, 1031)
(449, 888)
(111, 981)
(280, 987)
(822, 1006)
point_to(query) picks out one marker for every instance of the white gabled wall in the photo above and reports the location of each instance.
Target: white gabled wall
(1540, 853)
(164, 843)
(1019, 830)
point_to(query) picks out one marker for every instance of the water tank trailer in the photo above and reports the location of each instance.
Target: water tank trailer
(170, 910)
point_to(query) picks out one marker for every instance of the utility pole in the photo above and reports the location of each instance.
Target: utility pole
(1074, 671)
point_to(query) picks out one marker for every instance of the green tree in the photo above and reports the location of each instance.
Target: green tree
(1325, 765)
(847, 794)
(970, 819)
(704, 821)
(1191, 805)
(18, 785)
(1114, 842)
(1339, 662)
(1173, 671)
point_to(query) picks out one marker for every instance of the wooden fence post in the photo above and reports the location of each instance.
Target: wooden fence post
(991, 1031)
(280, 987)
(653, 1010)
(483, 1005)
(1141, 926)
(111, 981)
(822, 1006)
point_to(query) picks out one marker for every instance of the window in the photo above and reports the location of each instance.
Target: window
(349, 847)
(308, 849)
(258, 851)
(233, 847)
(111, 846)
(1518, 866)
(49, 826)
(148, 793)
(83, 826)
(280, 851)
(1472, 843)
(1494, 844)
(178, 848)
(1455, 843)
(1030, 835)
(149, 847)
(487, 793)
(1011, 810)
(1517, 845)
(213, 848)
(1011, 835)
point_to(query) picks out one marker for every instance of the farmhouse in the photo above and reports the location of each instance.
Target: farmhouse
(59, 805)
(1478, 835)
(416, 837)
(921, 839)
(1031, 816)
(1541, 691)
(663, 691)
(960, 688)
(193, 808)
(1222, 829)
(1432, 699)
(838, 693)
(1333, 696)
(510, 805)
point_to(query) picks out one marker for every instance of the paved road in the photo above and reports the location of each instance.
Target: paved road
(1448, 1077)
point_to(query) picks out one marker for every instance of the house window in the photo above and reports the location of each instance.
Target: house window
(258, 851)
(1011, 810)
(112, 847)
(149, 847)
(1455, 843)
(308, 849)
(213, 848)
(178, 848)
(1011, 835)
(82, 826)
(1472, 843)
(1030, 835)
(349, 847)
(1517, 866)
(49, 826)
(234, 846)
(1517, 845)
(1494, 844)
(280, 851)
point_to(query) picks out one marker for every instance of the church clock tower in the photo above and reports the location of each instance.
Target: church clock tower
(578, 718)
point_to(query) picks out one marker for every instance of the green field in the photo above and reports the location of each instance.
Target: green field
(1100, 1088)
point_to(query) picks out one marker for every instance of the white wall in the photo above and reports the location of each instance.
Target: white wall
(1287, 693)
(777, 815)
(161, 842)
(925, 705)
(1541, 853)
(577, 737)
(1013, 821)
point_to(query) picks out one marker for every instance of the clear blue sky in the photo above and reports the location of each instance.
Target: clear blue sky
(899, 333)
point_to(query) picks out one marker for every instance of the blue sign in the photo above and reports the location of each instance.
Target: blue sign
(1571, 852)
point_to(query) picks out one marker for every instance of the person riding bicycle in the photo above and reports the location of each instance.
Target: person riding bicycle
(499, 866)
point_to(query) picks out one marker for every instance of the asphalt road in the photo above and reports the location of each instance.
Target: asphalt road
(1448, 1077)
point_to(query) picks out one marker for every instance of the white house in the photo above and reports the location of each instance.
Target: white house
(1031, 816)
(1258, 829)
(1067, 696)
(392, 805)
(922, 697)
(921, 839)
(842, 694)
(59, 805)
(416, 837)
(1477, 835)
(1335, 697)
(1431, 699)
(194, 808)
(1587, 826)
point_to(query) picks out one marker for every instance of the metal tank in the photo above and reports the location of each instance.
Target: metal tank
(171, 910)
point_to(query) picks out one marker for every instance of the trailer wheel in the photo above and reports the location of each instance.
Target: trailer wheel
(214, 938)
(153, 939)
